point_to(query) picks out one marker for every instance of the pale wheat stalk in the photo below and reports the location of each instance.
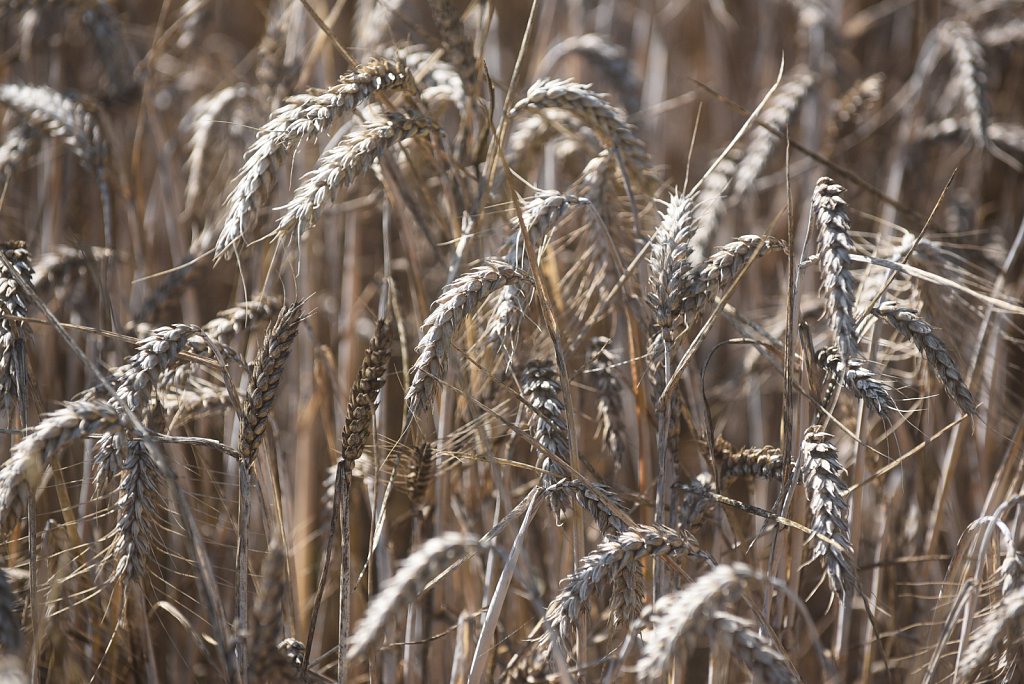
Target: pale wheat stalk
(457, 302)
(909, 324)
(300, 118)
(834, 247)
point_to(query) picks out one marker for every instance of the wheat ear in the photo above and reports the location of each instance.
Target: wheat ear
(457, 302)
(421, 567)
(14, 383)
(969, 77)
(602, 361)
(22, 473)
(301, 117)
(343, 164)
(856, 377)
(547, 425)
(14, 149)
(823, 477)
(909, 324)
(706, 281)
(834, 247)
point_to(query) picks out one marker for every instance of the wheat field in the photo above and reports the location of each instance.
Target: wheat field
(496, 341)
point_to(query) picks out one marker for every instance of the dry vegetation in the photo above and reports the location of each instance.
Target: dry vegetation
(424, 341)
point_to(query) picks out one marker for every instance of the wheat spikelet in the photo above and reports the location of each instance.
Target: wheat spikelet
(415, 572)
(422, 474)
(14, 149)
(706, 281)
(854, 376)
(457, 302)
(834, 247)
(969, 77)
(587, 496)
(610, 420)
(777, 113)
(546, 419)
(14, 376)
(266, 375)
(300, 118)
(613, 556)
(343, 164)
(987, 637)
(22, 473)
(230, 322)
(910, 325)
(823, 477)
(593, 109)
(695, 504)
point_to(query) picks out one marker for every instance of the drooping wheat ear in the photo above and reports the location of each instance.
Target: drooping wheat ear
(458, 47)
(230, 322)
(22, 473)
(855, 105)
(611, 423)
(765, 463)
(969, 77)
(542, 392)
(266, 375)
(834, 247)
(540, 214)
(777, 113)
(14, 334)
(695, 501)
(909, 324)
(593, 109)
(994, 631)
(457, 302)
(192, 401)
(363, 399)
(16, 146)
(137, 510)
(710, 279)
(343, 164)
(677, 620)
(529, 134)
(856, 377)
(1004, 33)
(824, 483)
(421, 567)
(266, 662)
(300, 118)
(207, 115)
(64, 118)
(10, 623)
(610, 58)
(612, 557)
(668, 260)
